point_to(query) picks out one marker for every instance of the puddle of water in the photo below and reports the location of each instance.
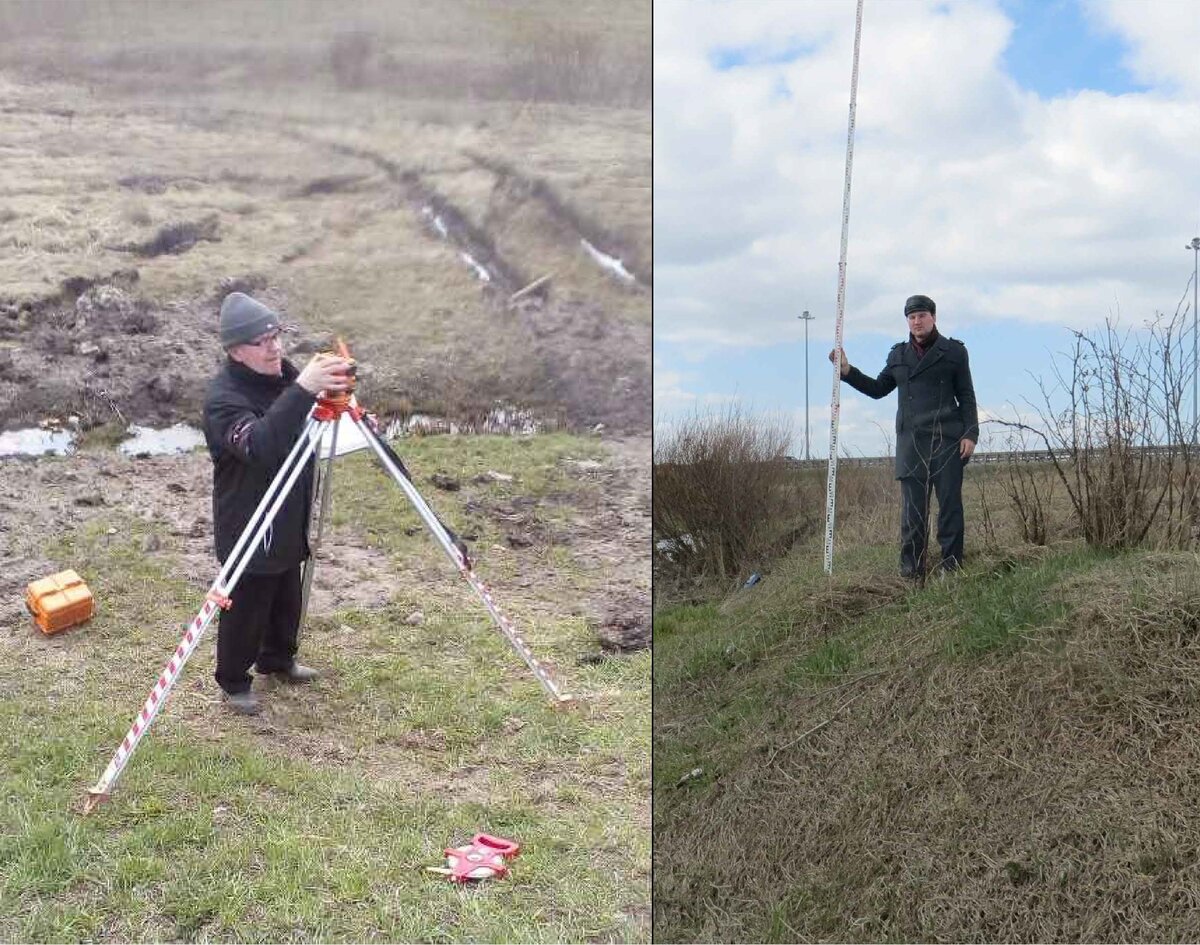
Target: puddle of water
(179, 438)
(438, 223)
(508, 421)
(484, 275)
(611, 263)
(35, 442)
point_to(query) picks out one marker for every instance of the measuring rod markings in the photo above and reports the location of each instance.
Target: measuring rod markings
(836, 401)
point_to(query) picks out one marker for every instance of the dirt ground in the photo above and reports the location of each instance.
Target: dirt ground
(46, 498)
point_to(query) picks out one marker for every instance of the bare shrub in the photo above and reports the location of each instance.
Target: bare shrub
(553, 63)
(987, 521)
(1115, 433)
(1030, 492)
(723, 492)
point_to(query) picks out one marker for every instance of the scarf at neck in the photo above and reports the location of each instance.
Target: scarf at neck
(921, 349)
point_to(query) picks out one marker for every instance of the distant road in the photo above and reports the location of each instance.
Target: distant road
(1014, 456)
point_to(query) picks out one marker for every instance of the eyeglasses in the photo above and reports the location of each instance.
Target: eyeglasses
(275, 338)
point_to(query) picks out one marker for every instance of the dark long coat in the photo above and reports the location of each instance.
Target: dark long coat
(251, 422)
(936, 406)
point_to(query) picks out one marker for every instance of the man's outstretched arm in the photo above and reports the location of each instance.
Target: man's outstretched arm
(876, 387)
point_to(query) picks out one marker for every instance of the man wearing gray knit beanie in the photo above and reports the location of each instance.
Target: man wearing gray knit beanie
(937, 427)
(256, 407)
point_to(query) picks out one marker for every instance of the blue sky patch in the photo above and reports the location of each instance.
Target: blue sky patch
(724, 58)
(1056, 50)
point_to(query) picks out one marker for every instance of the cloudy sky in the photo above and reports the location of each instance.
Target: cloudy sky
(1033, 165)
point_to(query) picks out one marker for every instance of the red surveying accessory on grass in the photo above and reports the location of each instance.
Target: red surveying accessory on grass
(485, 857)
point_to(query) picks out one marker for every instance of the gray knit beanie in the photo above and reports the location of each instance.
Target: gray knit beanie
(244, 319)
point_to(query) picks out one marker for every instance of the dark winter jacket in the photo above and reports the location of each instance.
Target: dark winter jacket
(936, 406)
(251, 422)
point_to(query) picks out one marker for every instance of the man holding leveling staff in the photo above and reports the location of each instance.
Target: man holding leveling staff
(256, 407)
(937, 427)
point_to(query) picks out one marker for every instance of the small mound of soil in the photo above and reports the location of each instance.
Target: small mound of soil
(176, 238)
(625, 625)
(336, 183)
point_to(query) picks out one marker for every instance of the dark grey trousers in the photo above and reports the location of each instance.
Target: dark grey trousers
(943, 477)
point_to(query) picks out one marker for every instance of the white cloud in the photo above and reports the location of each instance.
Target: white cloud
(1163, 36)
(995, 202)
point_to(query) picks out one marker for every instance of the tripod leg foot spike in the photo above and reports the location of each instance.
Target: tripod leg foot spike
(93, 800)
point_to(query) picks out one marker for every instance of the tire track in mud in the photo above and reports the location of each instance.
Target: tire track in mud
(596, 365)
(563, 214)
(431, 206)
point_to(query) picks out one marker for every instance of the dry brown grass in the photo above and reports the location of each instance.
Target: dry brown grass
(237, 127)
(1009, 755)
(1045, 796)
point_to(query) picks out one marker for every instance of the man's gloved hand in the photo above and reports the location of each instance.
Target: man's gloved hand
(463, 550)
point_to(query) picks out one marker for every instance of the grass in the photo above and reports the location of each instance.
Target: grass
(314, 821)
(1008, 754)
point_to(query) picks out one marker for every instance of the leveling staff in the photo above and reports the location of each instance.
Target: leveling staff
(256, 407)
(937, 427)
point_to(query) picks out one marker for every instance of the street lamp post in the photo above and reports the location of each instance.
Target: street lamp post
(1194, 245)
(806, 318)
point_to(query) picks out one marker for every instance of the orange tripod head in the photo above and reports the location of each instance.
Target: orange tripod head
(330, 405)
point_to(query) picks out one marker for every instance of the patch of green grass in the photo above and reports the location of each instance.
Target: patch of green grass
(995, 610)
(542, 492)
(315, 821)
(832, 658)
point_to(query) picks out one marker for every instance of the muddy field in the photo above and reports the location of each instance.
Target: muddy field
(559, 332)
(48, 498)
(481, 240)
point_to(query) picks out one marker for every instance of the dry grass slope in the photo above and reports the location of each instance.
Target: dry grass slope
(1008, 755)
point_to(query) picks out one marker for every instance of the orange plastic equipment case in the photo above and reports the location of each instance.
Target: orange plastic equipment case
(59, 601)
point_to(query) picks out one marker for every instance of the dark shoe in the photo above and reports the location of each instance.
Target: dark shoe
(243, 703)
(298, 674)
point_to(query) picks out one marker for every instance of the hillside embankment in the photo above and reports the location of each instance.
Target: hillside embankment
(1005, 754)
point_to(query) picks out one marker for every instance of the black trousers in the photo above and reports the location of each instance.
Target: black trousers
(944, 478)
(260, 627)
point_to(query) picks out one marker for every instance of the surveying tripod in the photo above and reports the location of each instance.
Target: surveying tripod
(323, 418)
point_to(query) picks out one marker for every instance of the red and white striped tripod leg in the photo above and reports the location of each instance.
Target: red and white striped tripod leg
(506, 626)
(191, 638)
